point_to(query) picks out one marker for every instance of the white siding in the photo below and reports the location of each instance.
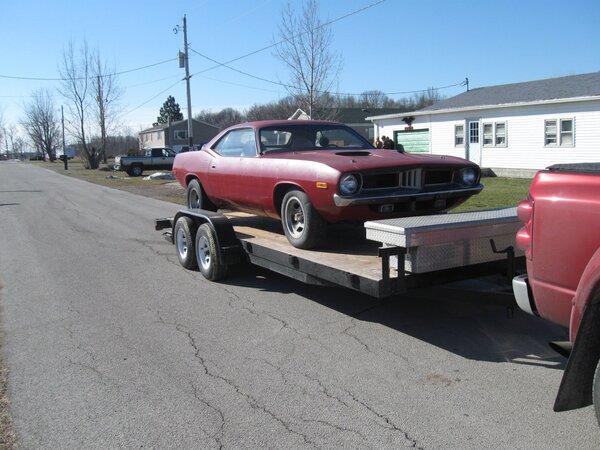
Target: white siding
(524, 134)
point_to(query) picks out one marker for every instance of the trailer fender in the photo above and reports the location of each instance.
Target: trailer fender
(227, 242)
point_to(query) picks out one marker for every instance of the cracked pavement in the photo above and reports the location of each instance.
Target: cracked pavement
(111, 344)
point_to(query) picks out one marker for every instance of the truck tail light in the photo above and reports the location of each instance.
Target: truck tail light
(525, 215)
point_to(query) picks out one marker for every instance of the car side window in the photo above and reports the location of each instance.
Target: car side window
(237, 143)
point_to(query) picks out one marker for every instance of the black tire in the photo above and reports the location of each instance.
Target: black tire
(184, 237)
(302, 224)
(196, 197)
(136, 170)
(209, 255)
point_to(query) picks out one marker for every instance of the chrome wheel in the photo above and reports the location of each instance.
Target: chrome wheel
(294, 217)
(181, 242)
(194, 200)
(203, 252)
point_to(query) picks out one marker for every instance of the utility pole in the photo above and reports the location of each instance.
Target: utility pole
(187, 82)
(62, 119)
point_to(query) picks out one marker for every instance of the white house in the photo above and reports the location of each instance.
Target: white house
(514, 129)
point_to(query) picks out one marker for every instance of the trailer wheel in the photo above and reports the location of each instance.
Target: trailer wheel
(183, 236)
(136, 170)
(209, 255)
(302, 224)
(196, 197)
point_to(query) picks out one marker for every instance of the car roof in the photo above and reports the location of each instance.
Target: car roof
(268, 123)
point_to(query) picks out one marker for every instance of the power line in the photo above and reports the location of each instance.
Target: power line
(10, 77)
(351, 13)
(346, 94)
(152, 98)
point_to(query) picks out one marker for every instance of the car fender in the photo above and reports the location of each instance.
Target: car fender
(576, 386)
(588, 285)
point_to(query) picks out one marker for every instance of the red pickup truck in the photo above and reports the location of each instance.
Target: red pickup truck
(561, 241)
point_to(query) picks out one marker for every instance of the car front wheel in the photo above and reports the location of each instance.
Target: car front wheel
(302, 224)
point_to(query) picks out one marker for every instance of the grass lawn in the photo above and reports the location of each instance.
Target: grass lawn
(497, 193)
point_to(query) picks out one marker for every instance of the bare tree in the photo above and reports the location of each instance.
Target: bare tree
(426, 98)
(305, 50)
(281, 109)
(41, 123)
(373, 99)
(222, 119)
(76, 86)
(106, 94)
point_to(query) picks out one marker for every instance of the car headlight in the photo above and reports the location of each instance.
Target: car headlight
(348, 184)
(468, 176)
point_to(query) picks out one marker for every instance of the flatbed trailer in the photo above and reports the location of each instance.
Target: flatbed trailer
(383, 259)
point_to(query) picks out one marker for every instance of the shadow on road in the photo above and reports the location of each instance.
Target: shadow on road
(475, 330)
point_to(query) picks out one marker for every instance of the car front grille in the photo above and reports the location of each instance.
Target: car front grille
(407, 179)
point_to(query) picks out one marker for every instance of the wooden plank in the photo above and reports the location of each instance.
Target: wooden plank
(345, 248)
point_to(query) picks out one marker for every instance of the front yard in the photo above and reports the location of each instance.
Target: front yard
(497, 193)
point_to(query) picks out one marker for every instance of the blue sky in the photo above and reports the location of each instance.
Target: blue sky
(394, 46)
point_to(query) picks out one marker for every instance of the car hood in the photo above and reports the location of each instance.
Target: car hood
(357, 160)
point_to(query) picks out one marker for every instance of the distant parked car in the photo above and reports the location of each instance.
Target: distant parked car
(310, 173)
(157, 158)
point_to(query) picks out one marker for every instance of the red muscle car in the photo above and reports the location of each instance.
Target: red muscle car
(310, 173)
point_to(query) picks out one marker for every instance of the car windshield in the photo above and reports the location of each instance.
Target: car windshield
(295, 137)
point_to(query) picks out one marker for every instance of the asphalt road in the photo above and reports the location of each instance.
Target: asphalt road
(111, 344)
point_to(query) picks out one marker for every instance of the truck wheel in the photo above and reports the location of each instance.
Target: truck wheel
(302, 224)
(136, 170)
(196, 197)
(208, 255)
(183, 236)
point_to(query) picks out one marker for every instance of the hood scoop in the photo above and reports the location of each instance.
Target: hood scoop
(354, 153)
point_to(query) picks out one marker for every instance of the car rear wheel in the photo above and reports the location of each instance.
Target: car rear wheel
(302, 224)
(184, 237)
(196, 197)
(208, 254)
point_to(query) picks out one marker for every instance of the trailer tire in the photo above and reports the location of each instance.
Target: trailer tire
(302, 224)
(135, 170)
(196, 197)
(184, 234)
(209, 255)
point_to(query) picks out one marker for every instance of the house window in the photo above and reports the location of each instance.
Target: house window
(488, 134)
(500, 137)
(494, 134)
(559, 132)
(566, 132)
(180, 135)
(550, 132)
(474, 132)
(459, 135)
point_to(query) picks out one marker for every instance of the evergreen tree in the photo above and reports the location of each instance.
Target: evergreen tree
(169, 109)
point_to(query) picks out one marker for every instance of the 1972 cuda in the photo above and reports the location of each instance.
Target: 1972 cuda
(311, 173)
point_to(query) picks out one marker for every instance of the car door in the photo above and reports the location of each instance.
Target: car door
(234, 173)
(162, 158)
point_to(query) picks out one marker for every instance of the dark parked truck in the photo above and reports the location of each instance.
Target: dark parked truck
(160, 158)
(561, 241)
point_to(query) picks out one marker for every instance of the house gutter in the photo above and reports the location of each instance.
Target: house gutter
(421, 113)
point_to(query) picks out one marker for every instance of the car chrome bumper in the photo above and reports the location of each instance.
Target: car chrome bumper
(523, 295)
(403, 196)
